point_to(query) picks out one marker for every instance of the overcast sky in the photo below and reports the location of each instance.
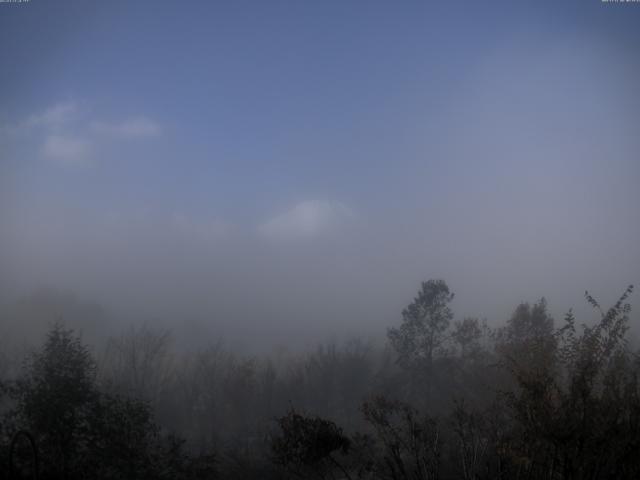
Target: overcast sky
(284, 170)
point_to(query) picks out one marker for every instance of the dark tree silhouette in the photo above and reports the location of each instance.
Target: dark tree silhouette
(85, 433)
(310, 446)
(579, 417)
(424, 323)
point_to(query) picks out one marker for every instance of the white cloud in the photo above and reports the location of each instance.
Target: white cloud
(54, 116)
(69, 135)
(67, 150)
(129, 128)
(306, 219)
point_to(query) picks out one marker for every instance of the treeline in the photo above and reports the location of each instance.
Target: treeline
(445, 398)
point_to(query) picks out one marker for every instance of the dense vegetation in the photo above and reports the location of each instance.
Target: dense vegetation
(445, 399)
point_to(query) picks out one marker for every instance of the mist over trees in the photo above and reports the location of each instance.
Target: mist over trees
(325, 240)
(444, 398)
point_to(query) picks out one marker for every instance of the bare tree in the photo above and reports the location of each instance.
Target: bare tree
(140, 363)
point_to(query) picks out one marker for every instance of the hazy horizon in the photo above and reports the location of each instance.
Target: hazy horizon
(286, 171)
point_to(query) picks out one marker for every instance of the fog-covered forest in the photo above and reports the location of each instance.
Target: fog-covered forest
(319, 239)
(534, 397)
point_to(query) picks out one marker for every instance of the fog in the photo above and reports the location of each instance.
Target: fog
(334, 239)
(507, 164)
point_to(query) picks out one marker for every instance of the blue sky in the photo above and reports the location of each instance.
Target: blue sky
(355, 147)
